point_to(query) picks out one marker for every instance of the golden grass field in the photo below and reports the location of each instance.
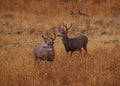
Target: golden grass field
(100, 67)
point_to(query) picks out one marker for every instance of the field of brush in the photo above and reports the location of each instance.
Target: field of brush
(22, 22)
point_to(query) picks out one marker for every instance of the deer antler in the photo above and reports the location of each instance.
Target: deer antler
(44, 38)
(47, 34)
(70, 26)
(66, 26)
(52, 37)
(54, 33)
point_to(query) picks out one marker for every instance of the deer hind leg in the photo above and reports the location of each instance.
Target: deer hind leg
(80, 51)
(67, 54)
(71, 53)
(37, 62)
(45, 62)
(85, 48)
(50, 64)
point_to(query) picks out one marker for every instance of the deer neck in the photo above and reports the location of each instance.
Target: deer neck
(51, 50)
(65, 39)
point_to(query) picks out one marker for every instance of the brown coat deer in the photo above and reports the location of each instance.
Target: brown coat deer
(72, 44)
(46, 51)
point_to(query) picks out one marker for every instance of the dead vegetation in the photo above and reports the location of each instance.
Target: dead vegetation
(22, 22)
(91, 8)
(100, 66)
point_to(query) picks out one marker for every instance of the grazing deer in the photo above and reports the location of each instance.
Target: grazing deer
(46, 51)
(72, 44)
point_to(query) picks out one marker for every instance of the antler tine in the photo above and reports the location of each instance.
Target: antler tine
(70, 26)
(53, 38)
(43, 36)
(54, 34)
(67, 28)
(65, 25)
(54, 29)
(47, 33)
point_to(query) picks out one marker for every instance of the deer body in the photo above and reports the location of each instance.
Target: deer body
(43, 53)
(46, 51)
(74, 44)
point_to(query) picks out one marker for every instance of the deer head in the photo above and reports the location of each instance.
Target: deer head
(64, 30)
(49, 38)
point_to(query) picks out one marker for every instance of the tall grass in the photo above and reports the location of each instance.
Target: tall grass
(100, 67)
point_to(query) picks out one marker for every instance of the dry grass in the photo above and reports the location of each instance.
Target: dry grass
(55, 7)
(101, 67)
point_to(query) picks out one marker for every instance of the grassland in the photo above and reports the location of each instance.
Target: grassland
(100, 67)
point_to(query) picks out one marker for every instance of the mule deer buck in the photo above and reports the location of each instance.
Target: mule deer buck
(46, 51)
(72, 44)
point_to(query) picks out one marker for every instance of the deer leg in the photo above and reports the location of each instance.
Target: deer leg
(71, 53)
(80, 51)
(50, 63)
(39, 61)
(85, 48)
(35, 62)
(67, 54)
(45, 62)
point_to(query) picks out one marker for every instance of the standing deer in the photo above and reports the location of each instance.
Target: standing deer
(72, 44)
(45, 52)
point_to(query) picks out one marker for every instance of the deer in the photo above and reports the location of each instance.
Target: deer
(72, 44)
(46, 51)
